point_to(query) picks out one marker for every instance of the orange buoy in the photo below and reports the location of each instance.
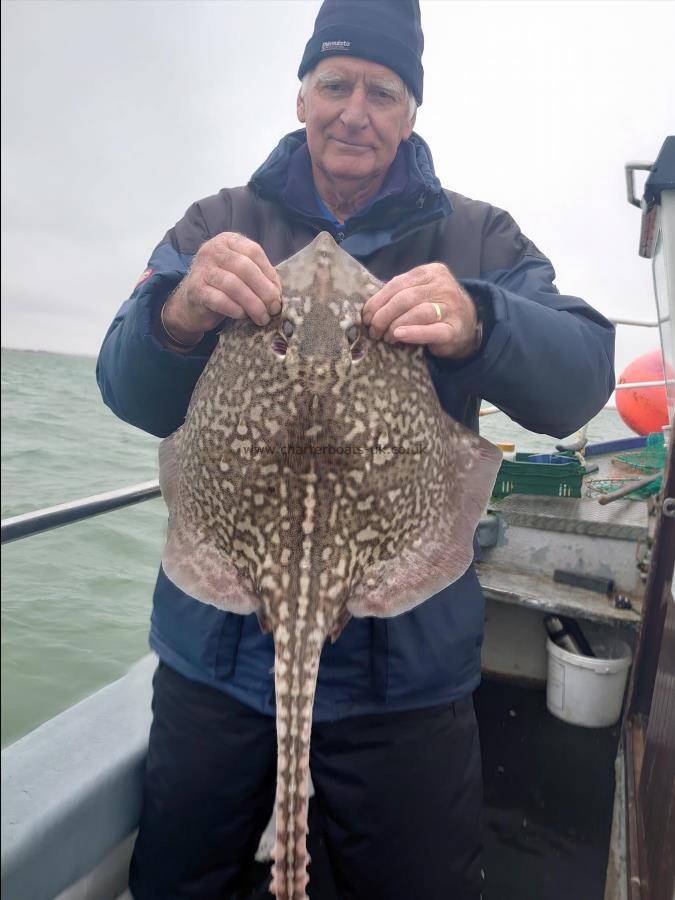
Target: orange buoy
(644, 409)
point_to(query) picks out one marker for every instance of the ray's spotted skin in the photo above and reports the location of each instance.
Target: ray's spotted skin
(316, 477)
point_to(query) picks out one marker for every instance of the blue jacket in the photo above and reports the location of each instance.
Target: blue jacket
(546, 360)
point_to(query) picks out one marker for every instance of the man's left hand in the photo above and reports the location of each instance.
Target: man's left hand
(425, 306)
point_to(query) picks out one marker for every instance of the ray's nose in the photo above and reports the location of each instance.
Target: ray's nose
(324, 243)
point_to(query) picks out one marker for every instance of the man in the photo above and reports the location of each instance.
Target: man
(395, 755)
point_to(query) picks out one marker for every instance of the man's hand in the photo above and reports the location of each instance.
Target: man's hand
(425, 306)
(230, 276)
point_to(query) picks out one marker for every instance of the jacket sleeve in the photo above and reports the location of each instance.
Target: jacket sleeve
(141, 381)
(547, 359)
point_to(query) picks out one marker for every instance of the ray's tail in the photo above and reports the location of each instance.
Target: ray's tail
(297, 653)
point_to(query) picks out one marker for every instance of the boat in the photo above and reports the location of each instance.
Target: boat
(570, 810)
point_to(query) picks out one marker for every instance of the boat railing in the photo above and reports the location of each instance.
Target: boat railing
(638, 323)
(40, 520)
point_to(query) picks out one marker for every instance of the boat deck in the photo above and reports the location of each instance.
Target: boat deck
(549, 789)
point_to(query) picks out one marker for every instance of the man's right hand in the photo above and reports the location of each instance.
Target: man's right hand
(230, 276)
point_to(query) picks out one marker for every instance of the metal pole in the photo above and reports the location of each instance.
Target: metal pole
(639, 323)
(24, 525)
(623, 386)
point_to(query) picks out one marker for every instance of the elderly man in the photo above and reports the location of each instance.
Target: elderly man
(395, 755)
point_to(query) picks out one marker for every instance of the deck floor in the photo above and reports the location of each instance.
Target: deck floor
(549, 790)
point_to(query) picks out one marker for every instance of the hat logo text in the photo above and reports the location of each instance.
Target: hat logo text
(335, 45)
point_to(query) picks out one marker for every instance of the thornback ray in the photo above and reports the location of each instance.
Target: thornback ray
(317, 477)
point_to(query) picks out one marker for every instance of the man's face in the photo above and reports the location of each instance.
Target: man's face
(356, 113)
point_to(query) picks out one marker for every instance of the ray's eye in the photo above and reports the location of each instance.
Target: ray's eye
(279, 345)
(281, 337)
(352, 333)
(356, 345)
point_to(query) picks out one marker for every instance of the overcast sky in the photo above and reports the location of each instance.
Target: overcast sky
(117, 115)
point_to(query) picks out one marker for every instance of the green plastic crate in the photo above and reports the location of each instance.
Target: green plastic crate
(546, 479)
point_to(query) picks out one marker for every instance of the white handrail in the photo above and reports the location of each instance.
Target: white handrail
(491, 410)
(642, 384)
(640, 323)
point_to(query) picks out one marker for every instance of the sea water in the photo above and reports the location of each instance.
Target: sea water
(76, 601)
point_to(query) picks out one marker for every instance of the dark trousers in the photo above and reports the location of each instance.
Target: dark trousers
(400, 798)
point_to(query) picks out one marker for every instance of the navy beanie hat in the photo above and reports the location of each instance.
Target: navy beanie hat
(388, 32)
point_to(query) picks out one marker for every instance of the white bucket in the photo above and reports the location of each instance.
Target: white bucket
(586, 690)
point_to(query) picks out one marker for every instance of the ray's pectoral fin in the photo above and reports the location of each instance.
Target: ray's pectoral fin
(168, 468)
(441, 553)
(191, 558)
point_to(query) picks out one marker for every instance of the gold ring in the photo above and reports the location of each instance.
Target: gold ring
(439, 314)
